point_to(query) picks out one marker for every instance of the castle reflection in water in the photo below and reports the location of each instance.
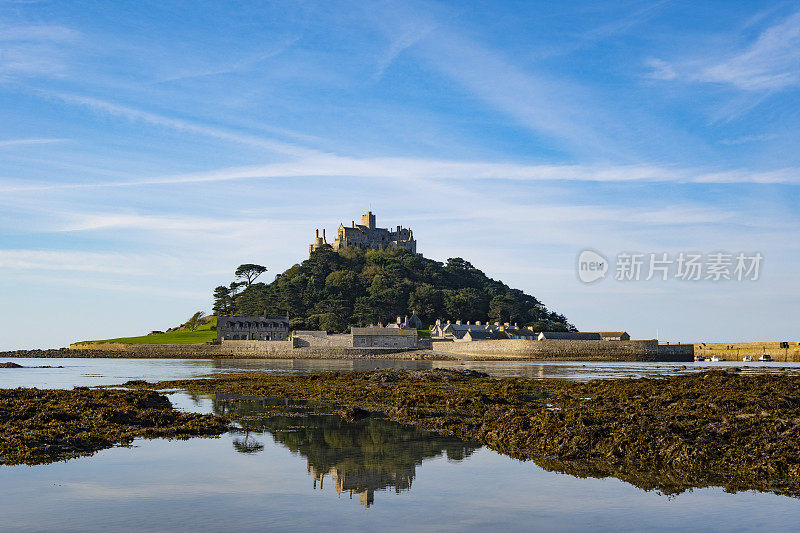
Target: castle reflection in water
(361, 457)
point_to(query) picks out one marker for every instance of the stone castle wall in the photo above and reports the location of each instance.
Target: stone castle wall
(640, 350)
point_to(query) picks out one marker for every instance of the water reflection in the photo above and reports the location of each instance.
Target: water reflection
(360, 456)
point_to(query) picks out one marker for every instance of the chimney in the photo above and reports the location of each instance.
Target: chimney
(323, 235)
(353, 223)
(317, 233)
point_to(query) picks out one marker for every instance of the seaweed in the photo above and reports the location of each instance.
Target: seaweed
(42, 426)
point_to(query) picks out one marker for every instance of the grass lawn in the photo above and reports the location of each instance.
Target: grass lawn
(181, 336)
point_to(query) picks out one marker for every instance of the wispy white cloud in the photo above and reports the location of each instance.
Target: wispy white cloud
(90, 262)
(750, 139)
(37, 50)
(8, 143)
(558, 110)
(402, 41)
(423, 171)
(770, 63)
(155, 119)
(661, 70)
(230, 66)
(38, 33)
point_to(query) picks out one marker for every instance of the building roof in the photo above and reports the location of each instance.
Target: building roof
(521, 332)
(569, 336)
(382, 331)
(481, 335)
(468, 327)
(612, 333)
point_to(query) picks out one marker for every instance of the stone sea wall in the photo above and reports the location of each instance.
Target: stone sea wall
(327, 348)
(323, 341)
(638, 350)
(238, 348)
(735, 351)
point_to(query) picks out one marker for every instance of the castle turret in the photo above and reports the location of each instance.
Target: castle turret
(368, 220)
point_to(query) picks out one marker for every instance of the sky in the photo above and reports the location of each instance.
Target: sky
(148, 148)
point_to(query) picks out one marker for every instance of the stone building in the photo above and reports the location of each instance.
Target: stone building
(470, 336)
(377, 337)
(615, 335)
(367, 235)
(412, 322)
(456, 330)
(252, 328)
(522, 333)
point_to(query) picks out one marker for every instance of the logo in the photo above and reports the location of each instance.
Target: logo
(591, 266)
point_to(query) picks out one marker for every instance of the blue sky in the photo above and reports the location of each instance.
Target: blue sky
(148, 148)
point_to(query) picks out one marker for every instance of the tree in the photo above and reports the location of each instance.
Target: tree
(195, 320)
(427, 302)
(249, 272)
(338, 289)
(464, 304)
(222, 300)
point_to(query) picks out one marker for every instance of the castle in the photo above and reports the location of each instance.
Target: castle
(367, 235)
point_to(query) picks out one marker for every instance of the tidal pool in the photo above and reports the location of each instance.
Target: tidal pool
(321, 472)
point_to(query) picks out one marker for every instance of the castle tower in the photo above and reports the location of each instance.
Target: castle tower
(368, 220)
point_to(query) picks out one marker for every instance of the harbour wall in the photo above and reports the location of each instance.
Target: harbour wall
(637, 350)
(735, 351)
(323, 341)
(337, 347)
(231, 348)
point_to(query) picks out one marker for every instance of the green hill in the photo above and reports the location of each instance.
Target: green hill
(180, 335)
(352, 287)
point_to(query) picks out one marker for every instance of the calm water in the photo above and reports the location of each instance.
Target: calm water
(322, 473)
(90, 372)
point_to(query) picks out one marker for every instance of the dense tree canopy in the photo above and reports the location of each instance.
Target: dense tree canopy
(336, 290)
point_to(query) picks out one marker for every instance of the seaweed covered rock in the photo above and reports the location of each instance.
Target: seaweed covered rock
(43, 426)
